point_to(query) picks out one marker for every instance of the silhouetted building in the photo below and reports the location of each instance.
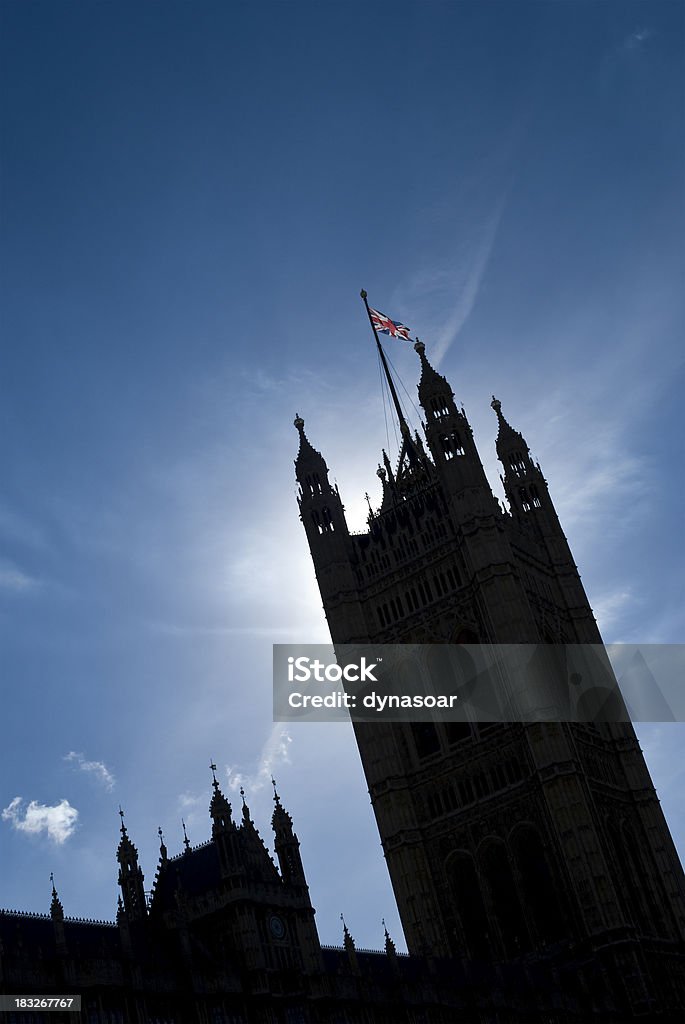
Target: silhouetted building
(533, 869)
(511, 845)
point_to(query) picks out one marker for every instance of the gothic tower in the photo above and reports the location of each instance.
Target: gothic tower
(508, 844)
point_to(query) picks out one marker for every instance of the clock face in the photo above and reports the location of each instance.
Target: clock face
(276, 926)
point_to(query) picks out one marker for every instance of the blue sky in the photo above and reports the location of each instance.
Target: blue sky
(192, 197)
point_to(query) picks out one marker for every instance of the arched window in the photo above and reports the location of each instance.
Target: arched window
(426, 739)
(504, 899)
(469, 906)
(537, 883)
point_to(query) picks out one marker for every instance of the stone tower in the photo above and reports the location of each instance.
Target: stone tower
(538, 844)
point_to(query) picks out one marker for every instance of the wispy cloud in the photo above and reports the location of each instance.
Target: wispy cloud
(15, 579)
(636, 39)
(467, 282)
(96, 768)
(610, 607)
(275, 752)
(58, 822)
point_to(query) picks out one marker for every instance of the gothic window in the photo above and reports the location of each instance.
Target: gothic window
(451, 444)
(641, 900)
(455, 441)
(539, 889)
(326, 523)
(469, 905)
(518, 463)
(535, 497)
(504, 899)
(426, 739)
(439, 407)
(525, 500)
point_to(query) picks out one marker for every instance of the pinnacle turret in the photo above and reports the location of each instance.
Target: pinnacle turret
(56, 908)
(308, 459)
(286, 844)
(509, 441)
(435, 394)
(131, 877)
(219, 807)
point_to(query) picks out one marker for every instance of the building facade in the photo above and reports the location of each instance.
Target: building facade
(506, 844)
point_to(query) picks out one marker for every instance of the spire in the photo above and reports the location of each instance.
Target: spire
(219, 807)
(390, 948)
(508, 439)
(286, 843)
(247, 820)
(524, 484)
(56, 908)
(131, 877)
(280, 819)
(435, 394)
(307, 456)
(350, 948)
(348, 941)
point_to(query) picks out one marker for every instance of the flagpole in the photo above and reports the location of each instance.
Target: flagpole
(404, 429)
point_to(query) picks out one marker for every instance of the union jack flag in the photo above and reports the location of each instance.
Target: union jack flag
(385, 325)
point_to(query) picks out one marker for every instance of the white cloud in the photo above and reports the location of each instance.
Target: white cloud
(14, 578)
(610, 606)
(275, 752)
(58, 821)
(96, 768)
(193, 808)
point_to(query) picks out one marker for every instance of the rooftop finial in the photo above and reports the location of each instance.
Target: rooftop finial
(298, 422)
(496, 405)
(419, 347)
(242, 794)
(213, 770)
(186, 841)
(277, 799)
(121, 815)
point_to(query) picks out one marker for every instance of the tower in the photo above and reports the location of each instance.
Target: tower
(514, 844)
